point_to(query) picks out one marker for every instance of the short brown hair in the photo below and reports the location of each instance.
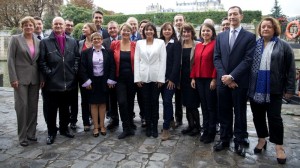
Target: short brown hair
(275, 23)
(189, 27)
(96, 34)
(27, 19)
(239, 8)
(99, 12)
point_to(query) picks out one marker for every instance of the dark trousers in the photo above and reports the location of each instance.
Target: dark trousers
(178, 105)
(112, 105)
(74, 106)
(273, 111)
(229, 101)
(125, 94)
(140, 102)
(208, 99)
(85, 107)
(55, 101)
(150, 93)
(167, 95)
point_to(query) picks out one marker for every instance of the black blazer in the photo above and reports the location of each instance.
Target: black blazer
(86, 66)
(236, 62)
(173, 61)
(107, 42)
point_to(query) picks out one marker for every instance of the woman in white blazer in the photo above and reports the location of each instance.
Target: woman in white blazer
(149, 74)
(23, 53)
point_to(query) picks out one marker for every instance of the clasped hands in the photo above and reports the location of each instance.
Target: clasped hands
(227, 80)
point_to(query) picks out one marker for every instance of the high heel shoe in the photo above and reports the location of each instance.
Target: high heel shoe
(96, 132)
(103, 131)
(257, 150)
(281, 160)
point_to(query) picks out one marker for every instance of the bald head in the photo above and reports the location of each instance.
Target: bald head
(58, 25)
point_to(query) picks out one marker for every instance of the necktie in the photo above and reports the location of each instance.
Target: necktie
(133, 37)
(232, 39)
(39, 37)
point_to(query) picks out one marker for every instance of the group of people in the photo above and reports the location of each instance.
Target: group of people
(219, 72)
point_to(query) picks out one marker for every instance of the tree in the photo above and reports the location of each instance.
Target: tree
(276, 10)
(78, 14)
(88, 4)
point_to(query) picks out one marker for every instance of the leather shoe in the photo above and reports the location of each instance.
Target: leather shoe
(112, 124)
(50, 139)
(221, 146)
(246, 142)
(73, 126)
(240, 149)
(125, 134)
(67, 134)
(26, 144)
(32, 139)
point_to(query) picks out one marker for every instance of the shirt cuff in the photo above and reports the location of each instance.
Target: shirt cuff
(87, 83)
(112, 82)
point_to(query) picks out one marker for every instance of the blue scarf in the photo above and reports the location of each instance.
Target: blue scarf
(260, 70)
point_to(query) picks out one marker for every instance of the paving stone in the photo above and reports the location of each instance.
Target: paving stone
(165, 150)
(86, 147)
(61, 163)
(72, 155)
(32, 154)
(116, 157)
(104, 164)
(159, 157)
(147, 149)
(102, 150)
(4, 156)
(138, 157)
(155, 164)
(81, 164)
(92, 157)
(129, 164)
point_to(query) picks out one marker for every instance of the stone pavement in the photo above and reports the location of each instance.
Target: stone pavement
(136, 151)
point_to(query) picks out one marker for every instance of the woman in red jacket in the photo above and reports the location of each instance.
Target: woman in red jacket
(203, 76)
(123, 51)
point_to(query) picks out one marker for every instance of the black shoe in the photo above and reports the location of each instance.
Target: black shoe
(73, 126)
(148, 131)
(209, 139)
(155, 133)
(67, 134)
(194, 132)
(240, 149)
(32, 139)
(125, 134)
(257, 150)
(246, 142)
(221, 146)
(281, 161)
(186, 130)
(203, 136)
(26, 144)
(112, 124)
(50, 139)
(132, 125)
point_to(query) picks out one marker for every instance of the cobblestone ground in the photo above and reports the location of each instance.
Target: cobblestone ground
(136, 151)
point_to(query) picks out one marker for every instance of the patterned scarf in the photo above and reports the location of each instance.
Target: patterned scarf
(260, 71)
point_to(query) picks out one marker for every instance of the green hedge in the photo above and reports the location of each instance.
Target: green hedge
(193, 17)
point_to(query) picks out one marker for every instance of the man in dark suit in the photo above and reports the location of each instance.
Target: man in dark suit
(111, 105)
(233, 56)
(98, 21)
(135, 36)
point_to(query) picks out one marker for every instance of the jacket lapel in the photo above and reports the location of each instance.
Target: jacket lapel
(25, 45)
(36, 48)
(238, 39)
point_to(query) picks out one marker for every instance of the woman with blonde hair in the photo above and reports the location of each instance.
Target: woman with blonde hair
(23, 53)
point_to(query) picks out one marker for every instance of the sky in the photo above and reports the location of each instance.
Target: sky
(288, 7)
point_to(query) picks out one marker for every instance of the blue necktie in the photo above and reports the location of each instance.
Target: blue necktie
(133, 37)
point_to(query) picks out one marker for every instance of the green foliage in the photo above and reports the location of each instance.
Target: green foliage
(78, 14)
(48, 21)
(78, 30)
(15, 30)
(196, 18)
(276, 10)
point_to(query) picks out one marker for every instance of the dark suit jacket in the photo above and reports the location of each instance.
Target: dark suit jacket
(86, 66)
(107, 42)
(237, 62)
(173, 61)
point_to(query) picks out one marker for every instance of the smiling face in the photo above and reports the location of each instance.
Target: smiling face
(178, 22)
(58, 25)
(113, 30)
(98, 19)
(97, 41)
(267, 29)
(86, 30)
(28, 27)
(126, 31)
(235, 17)
(225, 25)
(69, 26)
(134, 24)
(167, 32)
(206, 33)
(38, 27)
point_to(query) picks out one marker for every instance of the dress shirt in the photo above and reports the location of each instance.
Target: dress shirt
(238, 29)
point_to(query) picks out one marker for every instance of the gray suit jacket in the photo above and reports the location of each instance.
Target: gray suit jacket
(21, 66)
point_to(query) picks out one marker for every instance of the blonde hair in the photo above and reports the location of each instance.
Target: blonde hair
(126, 25)
(92, 27)
(25, 20)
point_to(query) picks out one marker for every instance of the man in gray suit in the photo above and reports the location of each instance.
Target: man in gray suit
(59, 60)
